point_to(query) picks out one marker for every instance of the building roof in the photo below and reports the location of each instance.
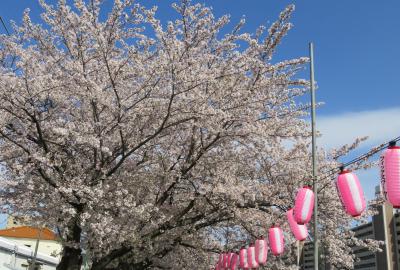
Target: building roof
(28, 232)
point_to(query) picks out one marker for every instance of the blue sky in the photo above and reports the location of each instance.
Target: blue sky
(356, 60)
(355, 43)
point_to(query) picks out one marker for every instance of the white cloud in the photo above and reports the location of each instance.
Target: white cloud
(369, 179)
(378, 125)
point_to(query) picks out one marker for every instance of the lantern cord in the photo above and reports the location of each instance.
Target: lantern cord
(364, 156)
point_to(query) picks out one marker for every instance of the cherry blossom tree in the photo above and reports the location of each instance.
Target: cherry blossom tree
(144, 143)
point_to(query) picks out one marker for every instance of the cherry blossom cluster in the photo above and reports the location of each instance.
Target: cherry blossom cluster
(155, 144)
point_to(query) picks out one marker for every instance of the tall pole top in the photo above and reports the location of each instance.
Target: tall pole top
(314, 156)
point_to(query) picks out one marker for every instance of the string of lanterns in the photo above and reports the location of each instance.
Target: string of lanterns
(351, 195)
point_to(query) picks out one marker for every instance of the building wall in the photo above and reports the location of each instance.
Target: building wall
(16, 222)
(396, 225)
(308, 256)
(8, 260)
(367, 259)
(47, 247)
(385, 226)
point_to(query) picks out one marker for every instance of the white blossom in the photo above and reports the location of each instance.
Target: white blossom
(142, 142)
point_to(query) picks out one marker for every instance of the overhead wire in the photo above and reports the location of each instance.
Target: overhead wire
(364, 156)
(337, 169)
(4, 25)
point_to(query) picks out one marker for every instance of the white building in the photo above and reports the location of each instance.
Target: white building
(19, 257)
(27, 236)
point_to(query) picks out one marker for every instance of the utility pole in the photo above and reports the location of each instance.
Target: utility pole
(314, 154)
(33, 263)
(298, 253)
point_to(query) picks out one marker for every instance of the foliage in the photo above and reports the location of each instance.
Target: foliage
(141, 142)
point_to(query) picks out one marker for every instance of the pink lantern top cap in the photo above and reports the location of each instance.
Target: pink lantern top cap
(344, 171)
(392, 145)
(276, 225)
(308, 187)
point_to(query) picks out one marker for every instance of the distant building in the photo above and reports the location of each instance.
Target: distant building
(13, 221)
(385, 226)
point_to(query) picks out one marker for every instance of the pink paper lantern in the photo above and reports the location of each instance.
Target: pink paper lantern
(304, 205)
(225, 260)
(220, 261)
(243, 258)
(234, 261)
(299, 231)
(390, 171)
(276, 241)
(261, 250)
(351, 193)
(251, 257)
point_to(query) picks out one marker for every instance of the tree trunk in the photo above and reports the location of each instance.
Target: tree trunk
(72, 255)
(128, 266)
(71, 259)
(102, 263)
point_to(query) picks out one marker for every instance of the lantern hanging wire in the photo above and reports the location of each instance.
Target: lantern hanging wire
(332, 172)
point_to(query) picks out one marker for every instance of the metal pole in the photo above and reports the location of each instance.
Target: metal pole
(314, 158)
(298, 253)
(36, 250)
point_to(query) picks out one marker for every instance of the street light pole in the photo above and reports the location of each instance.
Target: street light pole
(314, 158)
